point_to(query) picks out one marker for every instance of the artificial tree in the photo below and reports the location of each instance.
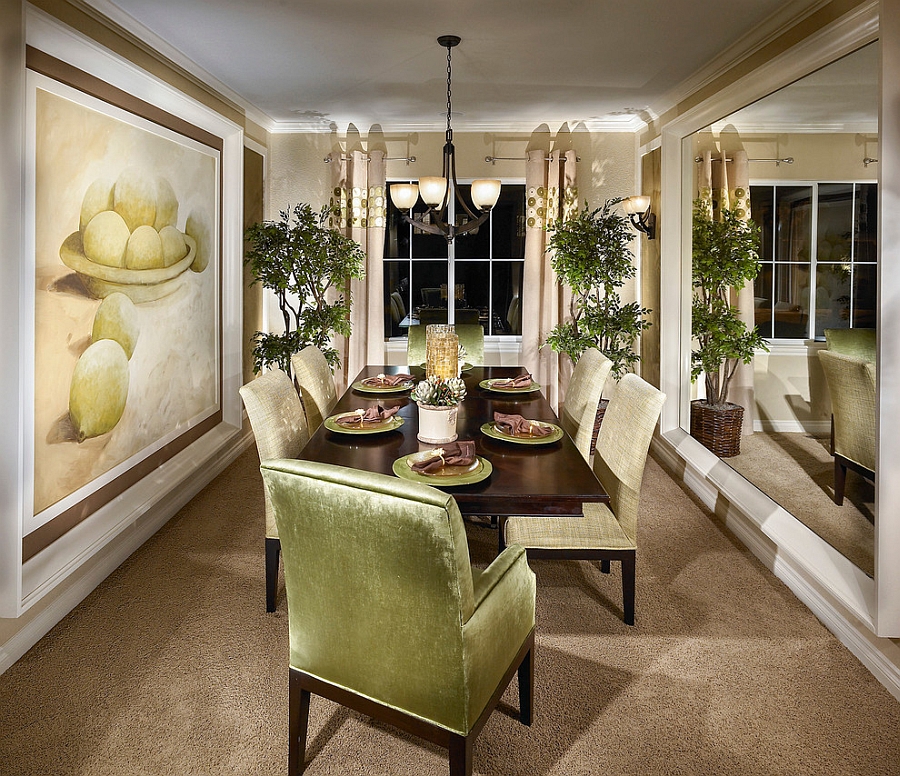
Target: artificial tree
(300, 258)
(591, 253)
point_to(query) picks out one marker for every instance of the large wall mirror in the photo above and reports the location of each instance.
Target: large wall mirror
(808, 121)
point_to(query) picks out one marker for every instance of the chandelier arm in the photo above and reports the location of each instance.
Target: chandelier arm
(471, 225)
(434, 228)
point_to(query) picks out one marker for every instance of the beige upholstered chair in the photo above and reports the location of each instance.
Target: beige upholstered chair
(579, 411)
(471, 336)
(604, 533)
(386, 614)
(279, 425)
(316, 385)
(851, 382)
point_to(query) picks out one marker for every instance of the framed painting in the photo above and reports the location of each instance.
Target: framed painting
(127, 292)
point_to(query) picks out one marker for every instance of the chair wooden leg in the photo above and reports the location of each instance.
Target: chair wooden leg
(273, 549)
(526, 688)
(461, 755)
(628, 573)
(604, 566)
(298, 722)
(840, 478)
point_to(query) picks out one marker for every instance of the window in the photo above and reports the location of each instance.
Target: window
(807, 285)
(486, 266)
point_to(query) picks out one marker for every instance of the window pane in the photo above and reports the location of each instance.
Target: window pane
(762, 299)
(425, 245)
(472, 296)
(793, 225)
(832, 297)
(477, 243)
(427, 279)
(762, 214)
(866, 248)
(506, 292)
(396, 234)
(396, 295)
(508, 218)
(865, 284)
(835, 221)
(790, 312)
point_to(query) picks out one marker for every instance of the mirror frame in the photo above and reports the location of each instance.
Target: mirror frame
(836, 590)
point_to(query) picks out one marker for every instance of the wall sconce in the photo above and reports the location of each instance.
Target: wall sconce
(638, 210)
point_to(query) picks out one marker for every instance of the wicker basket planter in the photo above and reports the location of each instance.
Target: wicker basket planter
(717, 428)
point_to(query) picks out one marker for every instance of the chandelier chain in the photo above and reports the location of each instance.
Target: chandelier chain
(449, 130)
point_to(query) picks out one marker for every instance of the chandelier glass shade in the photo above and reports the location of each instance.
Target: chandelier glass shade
(436, 191)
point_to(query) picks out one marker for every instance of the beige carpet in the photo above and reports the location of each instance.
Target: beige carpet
(796, 470)
(172, 666)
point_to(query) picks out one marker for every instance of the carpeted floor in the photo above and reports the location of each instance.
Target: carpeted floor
(172, 666)
(796, 470)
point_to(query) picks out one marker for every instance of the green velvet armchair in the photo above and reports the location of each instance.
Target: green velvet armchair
(386, 614)
(859, 343)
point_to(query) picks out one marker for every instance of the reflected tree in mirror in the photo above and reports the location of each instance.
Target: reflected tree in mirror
(300, 258)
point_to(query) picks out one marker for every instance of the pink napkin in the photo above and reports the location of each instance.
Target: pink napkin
(516, 425)
(386, 381)
(371, 416)
(514, 383)
(461, 453)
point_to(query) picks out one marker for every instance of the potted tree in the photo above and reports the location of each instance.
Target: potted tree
(724, 258)
(591, 254)
(300, 259)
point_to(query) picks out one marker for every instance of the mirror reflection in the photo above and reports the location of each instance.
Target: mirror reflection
(801, 165)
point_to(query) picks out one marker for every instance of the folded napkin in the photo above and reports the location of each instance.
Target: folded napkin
(362, 418)
(516, 425)
(522, 381)
(386, 381)
(461, 453)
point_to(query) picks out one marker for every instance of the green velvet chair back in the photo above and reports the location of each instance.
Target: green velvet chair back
(415, 345)
(471, 336)
(380, 592)
(622, 446)
(851, 382)
(278, 422)
(316, 385)
(582, 398)
(859, 343)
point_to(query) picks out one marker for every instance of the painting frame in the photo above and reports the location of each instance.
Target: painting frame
(42, 527)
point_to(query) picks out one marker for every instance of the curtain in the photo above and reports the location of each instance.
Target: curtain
(358, 191)
(723, 183)
(551, 193)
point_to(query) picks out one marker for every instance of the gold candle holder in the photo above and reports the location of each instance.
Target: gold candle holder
(441, 351)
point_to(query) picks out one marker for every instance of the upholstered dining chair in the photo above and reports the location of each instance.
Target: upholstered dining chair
(852, 342)
(316, 385)
(851, 383)
(471, 336)
(386, 615)
(604, 533)
(279, 425)
(579, 411)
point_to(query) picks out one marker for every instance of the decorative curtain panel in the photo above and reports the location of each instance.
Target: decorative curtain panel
(358, 191)
(723, 183)
(551, 193)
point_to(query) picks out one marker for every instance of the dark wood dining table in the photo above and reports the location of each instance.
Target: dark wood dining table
(550, 479)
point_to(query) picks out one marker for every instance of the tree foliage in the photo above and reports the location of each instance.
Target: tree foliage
(300, 259)
(591, 254)
(724, 258)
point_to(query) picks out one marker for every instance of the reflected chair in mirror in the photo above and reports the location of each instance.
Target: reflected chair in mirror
(604, 533)
(385, 613)
(851, 383)
(315, 383)
(431, 297)
(279, 426)
(579, 411)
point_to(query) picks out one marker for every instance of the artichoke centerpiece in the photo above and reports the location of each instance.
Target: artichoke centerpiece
(438, 399)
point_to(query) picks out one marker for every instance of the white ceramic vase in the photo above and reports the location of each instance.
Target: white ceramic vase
(437, 425)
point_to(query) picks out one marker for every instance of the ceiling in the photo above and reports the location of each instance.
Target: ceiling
(313, 64)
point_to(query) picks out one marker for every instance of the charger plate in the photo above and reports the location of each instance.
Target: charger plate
(359, 386)
(390, 424)
(488, 429)
(489, 386)
(446, 477)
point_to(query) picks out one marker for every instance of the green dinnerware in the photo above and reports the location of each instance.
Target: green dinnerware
(449, 476)
(488, 385)
(390, 424)
(362, 388)
(556, 434)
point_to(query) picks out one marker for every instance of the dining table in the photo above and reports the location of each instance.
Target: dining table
(525, 479)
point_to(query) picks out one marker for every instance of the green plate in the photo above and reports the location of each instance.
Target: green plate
(488, 430)
(480, 470)
(358, 386)
(489, 386)
(390, 424)
(464, 368)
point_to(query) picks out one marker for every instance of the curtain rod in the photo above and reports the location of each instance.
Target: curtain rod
(493, 159)
(869, 160)
(786, 160)
(407, 159)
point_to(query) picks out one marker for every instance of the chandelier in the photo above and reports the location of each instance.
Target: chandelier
(436, 191)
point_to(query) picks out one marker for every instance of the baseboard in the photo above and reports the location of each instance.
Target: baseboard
(110, 557)
(881, 656)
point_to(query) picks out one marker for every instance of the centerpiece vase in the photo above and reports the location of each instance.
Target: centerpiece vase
(437, 425)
